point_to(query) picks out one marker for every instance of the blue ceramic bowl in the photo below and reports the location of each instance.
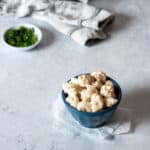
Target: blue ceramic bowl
(94, 119)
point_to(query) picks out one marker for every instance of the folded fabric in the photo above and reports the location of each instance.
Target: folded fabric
(84, 1)
(81, 21)
(63, 123)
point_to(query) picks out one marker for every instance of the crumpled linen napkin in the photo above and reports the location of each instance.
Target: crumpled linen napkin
(64, 124)
(81, 21)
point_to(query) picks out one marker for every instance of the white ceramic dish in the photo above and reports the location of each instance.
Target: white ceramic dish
(37, 32)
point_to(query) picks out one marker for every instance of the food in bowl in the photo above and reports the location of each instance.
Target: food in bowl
(90, 92)
(21, 36)
(98, 118)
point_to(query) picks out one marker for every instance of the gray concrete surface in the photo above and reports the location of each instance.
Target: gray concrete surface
(30, 81)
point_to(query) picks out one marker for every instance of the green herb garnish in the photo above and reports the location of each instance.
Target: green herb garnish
(21, 37)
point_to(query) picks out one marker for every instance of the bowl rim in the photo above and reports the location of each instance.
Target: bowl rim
(28, 25)
(119, 97)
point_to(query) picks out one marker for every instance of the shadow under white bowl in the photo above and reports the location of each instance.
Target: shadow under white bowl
(37, 32)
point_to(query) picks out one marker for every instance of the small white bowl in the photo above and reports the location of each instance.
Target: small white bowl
(37, 32)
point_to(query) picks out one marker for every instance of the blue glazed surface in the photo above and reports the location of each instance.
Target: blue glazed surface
(94, 119)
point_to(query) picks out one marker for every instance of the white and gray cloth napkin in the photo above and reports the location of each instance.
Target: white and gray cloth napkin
(64, 124)
(79, 20)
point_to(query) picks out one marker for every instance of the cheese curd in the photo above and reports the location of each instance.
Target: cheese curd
(108, 82)
(71, 86)
(85, 80)
(97, 102)
(110, 101)
(84, 106)
(90, 92)
(96, 98)
(73, 101)
(87, 93)
(74, 81)
(107, 90)
(97, 84)
(71, 89)
(100, 76)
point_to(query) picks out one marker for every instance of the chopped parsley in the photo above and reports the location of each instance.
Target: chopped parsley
(21, 37)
